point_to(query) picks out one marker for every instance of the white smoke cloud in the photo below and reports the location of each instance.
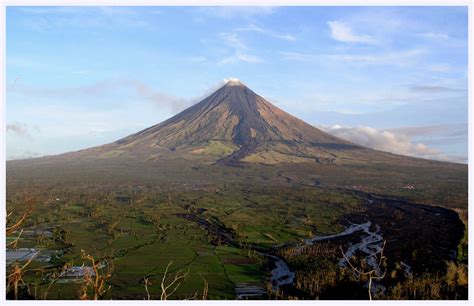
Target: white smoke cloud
(18, 128)
(21, 129)
(103, 89)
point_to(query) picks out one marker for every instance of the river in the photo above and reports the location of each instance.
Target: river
(370, 244)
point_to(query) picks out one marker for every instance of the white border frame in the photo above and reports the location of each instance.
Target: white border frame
(5, 3)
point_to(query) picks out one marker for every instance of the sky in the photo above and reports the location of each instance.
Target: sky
(390, 78)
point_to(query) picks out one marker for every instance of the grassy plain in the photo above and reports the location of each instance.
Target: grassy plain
(132, 213)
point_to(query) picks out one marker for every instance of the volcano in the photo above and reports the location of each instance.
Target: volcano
(235, 126)
(232, 125)
(234, 115)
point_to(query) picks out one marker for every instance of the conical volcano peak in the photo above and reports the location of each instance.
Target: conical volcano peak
(233, 123)
(233, 82)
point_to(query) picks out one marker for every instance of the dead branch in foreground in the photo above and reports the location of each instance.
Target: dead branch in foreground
(14, 278)
(169, 289)
(371, 274)
(170, 284)
(96, 280)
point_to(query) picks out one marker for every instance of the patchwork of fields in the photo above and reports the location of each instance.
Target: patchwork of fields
(216, 237)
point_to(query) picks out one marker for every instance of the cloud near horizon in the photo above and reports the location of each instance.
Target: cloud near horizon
(392, 141)
(434, 89)
(23, 155)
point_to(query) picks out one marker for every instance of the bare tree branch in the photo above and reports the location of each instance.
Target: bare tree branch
(371, 274)
(173, 285)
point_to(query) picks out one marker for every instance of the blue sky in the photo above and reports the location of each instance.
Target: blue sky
(392, 78)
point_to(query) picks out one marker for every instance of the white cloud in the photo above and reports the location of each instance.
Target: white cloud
(232, 80)
(239, 50)
(396, 58)
(23, 155)
(240, 57)
(230, 12)
(301, 57)
(40, 18)
(389, 58)
(443, 135)
(444, 68)
(257, 29)
(435, 36)
(459, 129)
(443, 39)
(393, 141)
(196, 59)
(343, 33)
(117, 11)
(434, 89)
(46, 10)
(233, 40)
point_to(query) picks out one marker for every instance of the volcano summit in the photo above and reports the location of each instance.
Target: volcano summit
(234, 124)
